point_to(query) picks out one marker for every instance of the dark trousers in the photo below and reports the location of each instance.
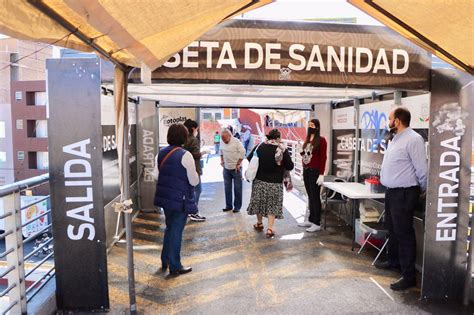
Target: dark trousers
(400, 205)
(171, 252)
(313, 190)
(198, 191)
(232, 177)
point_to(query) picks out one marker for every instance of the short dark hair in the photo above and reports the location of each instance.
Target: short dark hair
(190, 124)
(274, 134)
(403, 114)
(177, 134)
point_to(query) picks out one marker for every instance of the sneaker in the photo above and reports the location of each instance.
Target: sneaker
(305, 224)
(196, 217)
(236, 210)
(313, 228)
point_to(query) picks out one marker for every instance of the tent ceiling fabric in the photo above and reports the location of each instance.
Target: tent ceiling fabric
(243, 96)
(445, 28)
(133, 32)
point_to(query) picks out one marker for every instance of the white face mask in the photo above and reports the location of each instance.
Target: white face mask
(195, 133)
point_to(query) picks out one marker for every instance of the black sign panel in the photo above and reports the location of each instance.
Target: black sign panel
(447, 215)
(75, 163)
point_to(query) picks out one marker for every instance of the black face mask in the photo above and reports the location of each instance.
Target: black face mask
(311, 131)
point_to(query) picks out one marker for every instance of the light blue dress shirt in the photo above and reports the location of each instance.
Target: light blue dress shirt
(405, 163)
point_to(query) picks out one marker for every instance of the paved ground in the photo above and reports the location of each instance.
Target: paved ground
(236, 270)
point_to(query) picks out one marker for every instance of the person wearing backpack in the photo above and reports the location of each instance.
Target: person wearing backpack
(177, 177)
(266, 199)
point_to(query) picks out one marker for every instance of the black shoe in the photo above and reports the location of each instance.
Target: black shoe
(181, 271)
(403, 283)
(385, 265)
(226, 209)
(236, 210)
(164, 267)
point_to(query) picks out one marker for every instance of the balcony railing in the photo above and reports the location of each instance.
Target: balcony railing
(24, 279)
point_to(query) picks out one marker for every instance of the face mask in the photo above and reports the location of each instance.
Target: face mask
(195, 133)
(311, 130)
(392, 128)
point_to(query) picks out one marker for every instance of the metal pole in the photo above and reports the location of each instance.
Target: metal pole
(126, 196)
(357, 136)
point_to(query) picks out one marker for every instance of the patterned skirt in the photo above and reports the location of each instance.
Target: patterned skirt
(266, 199)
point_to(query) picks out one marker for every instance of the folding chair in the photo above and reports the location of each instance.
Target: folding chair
(333, 198)
(375, 228)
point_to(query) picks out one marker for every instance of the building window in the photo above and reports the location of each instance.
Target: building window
(207, 116)
(40, 98)
(218, 116)
(18, 95)
(37, 128)
(32, 161)
(30, 98)
(42, 161)
(19, 124)
(2, 129)
(3, 156)
(20, 155)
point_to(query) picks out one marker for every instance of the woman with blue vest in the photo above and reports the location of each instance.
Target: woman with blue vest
(177, 178)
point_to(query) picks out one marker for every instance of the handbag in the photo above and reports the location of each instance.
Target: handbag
(252, 169)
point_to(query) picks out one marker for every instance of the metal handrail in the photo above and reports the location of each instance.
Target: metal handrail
(35, 202)
(38, 249)
(37, 234)
(7, 271)
(6, 252)
(9, 307)
(4, 292)
(35, 218)
(5, 234)
(51, 275)
(24, 184)
(39, 264)
(5, 215)
(31, 287)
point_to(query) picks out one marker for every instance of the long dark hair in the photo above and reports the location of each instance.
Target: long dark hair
(317, 135)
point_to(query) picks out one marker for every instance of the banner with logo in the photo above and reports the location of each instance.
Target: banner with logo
(147, 151)
(172, 115)
(77, 200)
(299, 53)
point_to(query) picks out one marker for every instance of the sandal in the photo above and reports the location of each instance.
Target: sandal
(258, 226)
(270, 233)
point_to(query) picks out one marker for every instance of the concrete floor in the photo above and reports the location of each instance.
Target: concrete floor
(236, 270)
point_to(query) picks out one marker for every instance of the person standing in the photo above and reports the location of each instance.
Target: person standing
(267, 187)
(403, 172)
(217, 141)
(232, 153)
(314, 157)
(177, 176)
(246, 139)
(194, 147)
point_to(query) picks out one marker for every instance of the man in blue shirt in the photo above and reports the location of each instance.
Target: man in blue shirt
(403, 172)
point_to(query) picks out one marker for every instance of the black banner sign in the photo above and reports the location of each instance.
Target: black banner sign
(75, 164)
(447, 210)
(292, 53)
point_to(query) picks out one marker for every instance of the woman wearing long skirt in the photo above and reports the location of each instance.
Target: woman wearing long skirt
(267, 188)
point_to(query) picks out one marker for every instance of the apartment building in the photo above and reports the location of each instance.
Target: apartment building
(23, 127)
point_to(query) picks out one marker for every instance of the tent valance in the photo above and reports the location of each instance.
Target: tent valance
(131, 32)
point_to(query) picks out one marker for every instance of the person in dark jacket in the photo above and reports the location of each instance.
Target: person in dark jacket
(267, 188)
(177, 177)
(314, 157)
(194, 147)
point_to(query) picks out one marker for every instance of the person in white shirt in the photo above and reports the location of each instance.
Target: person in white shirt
(232, 153)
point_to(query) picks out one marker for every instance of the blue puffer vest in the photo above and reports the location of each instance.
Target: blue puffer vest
(173, 191)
